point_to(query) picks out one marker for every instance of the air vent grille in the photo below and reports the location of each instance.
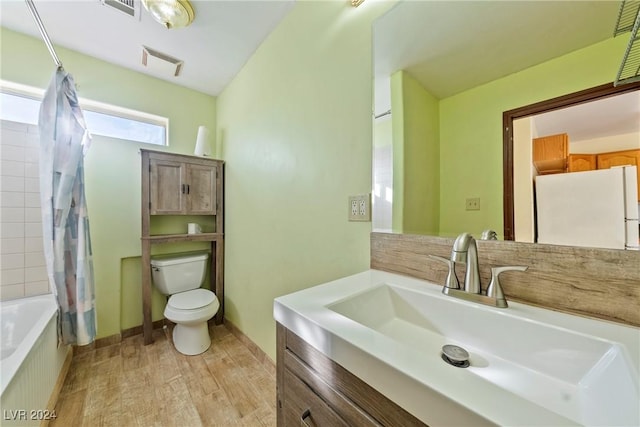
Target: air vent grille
(127, 6)
(161, 62)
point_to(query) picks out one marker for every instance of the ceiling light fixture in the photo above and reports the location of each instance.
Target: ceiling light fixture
(170, 13)
(356, 3)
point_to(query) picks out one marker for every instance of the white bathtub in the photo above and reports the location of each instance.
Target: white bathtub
(31, 359)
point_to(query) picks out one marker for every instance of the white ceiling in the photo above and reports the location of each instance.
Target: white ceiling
(453, 46)
(214, 47)
(617, 115)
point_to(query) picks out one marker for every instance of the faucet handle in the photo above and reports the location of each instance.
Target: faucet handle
(495, 288)
(489, 235)
(452, 280)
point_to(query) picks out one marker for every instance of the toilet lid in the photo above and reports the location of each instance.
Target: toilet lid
(191, 300)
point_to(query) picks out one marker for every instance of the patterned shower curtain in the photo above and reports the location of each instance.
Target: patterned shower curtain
(64, 140)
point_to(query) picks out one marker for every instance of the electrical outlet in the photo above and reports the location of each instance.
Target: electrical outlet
(360, 207)
(473, 204)
(354, 207)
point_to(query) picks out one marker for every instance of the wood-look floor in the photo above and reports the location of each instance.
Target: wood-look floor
(129, 384)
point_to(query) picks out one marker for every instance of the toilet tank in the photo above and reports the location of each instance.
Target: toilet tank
(178, 272)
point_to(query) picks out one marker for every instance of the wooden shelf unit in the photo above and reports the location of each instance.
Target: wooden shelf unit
(167, 181)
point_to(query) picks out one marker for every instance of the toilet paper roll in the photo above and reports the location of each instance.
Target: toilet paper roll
(203, 142)
(194, 228)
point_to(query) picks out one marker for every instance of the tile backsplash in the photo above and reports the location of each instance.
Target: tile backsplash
(22, 265)
(601, 283)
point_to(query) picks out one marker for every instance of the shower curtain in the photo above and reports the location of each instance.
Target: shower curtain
(64, 140)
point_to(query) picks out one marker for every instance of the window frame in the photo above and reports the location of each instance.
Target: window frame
(30, 92)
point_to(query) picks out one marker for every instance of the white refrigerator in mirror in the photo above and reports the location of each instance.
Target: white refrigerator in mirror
(595, 209)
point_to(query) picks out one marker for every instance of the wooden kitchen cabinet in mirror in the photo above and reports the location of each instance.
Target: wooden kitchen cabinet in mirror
(550, 153)
(620, 158)
(582, 162)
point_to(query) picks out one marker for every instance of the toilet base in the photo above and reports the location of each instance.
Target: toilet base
(191, 339)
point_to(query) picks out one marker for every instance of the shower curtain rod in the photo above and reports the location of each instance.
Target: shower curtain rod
(43, 32)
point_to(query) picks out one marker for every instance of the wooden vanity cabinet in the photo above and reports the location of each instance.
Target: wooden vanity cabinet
(178, 185)
(314, 390)
(582, 162)
(550, 153)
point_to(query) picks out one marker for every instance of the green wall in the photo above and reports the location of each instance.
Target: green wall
(421, 162)
(113, 166)
(296, 133)
(471, 130)
(397, 138)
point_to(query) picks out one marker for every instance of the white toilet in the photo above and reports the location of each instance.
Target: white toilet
(189, 306)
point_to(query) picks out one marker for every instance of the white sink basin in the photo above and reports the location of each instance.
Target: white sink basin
(528, 366)
(569, 373)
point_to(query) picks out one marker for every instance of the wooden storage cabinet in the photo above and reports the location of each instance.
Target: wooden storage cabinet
(176, 184)
(182, 188)
(313, 390)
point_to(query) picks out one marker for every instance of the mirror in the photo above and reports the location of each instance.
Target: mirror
(445, 72)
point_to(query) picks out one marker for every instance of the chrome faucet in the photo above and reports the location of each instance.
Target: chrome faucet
(465, 251)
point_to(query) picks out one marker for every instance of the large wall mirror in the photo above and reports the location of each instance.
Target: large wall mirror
(445, 74)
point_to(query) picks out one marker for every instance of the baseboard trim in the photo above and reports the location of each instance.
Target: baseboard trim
(116, 338)
(57, 388)
(262, 357)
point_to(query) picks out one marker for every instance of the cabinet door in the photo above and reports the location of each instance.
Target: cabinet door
(621, 158)
(550, 153)
(167, 187)
(201, 189)
(582, 162)
(618, 158)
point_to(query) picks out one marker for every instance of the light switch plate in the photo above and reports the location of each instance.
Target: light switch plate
(360, 207)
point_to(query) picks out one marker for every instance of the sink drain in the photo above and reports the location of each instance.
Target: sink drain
(455, 356)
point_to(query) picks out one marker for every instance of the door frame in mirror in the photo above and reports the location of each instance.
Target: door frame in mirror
(564, 101)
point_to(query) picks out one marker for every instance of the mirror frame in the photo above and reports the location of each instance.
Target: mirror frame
(564, 101)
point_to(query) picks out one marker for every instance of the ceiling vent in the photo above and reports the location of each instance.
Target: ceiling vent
(130, 7)
(160, 62)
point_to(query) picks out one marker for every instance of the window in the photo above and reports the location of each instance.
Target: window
(21, 104)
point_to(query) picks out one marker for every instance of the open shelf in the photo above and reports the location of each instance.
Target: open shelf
(172, 238)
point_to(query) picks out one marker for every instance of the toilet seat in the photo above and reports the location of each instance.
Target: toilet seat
(202, 305)
(193, 299)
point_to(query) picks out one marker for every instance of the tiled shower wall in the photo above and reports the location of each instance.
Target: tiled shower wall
(22, 266)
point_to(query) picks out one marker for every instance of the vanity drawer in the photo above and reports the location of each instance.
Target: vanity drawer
(353, 400)
(343, 406)
(303, 407)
